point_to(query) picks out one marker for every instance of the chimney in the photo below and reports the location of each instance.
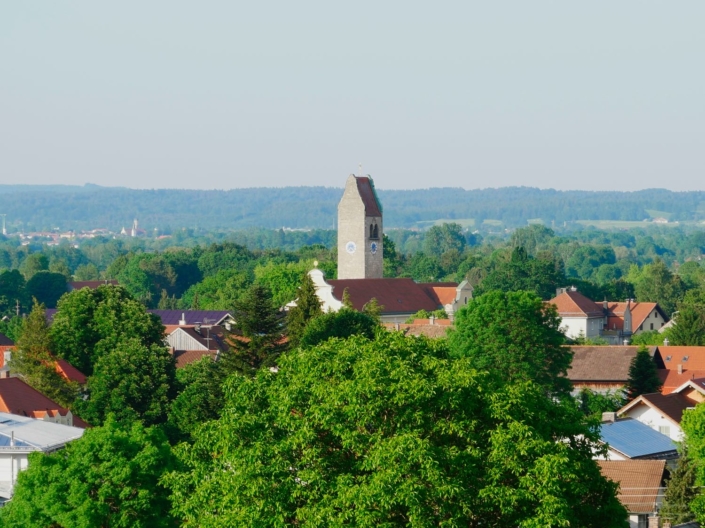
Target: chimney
(626, 342)
(605, 305)
(665, 342)
(609, 417)
(680, 368)
(396, 326)
(182, 321)
(432, 320)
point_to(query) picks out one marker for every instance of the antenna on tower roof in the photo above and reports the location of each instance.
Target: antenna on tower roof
(359, 169)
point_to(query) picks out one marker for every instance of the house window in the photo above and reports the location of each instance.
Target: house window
(641, 327)
(664, 430)
(652, 326)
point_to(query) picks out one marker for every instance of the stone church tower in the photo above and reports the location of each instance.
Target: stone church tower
(359, 231)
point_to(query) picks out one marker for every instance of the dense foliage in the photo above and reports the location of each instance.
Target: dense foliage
(391, 432)
(110, 477)
(516, 336)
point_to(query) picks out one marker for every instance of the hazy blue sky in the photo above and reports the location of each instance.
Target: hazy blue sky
(223, 94)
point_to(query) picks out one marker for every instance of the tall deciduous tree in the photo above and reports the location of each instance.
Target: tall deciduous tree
(341, 324)
(689, 327)
(90, 323)
(517, 336)
(34, 363)
(200, 398)
(391, 432)
(308, 307)
(257, 340)
(542, 274)
(47, 287)
(132, 382)
(110, 477)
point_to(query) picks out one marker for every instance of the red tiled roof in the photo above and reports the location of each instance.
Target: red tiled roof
(71, 373)
(671, 405)
(639, 482)
(436, 322)
(575, 304)
(672, 380)
(186, 357)
(443, 292)
(640, 311)
(428, 330)
(394, 295)
(369, 198)
(16, 397)
(690, 357)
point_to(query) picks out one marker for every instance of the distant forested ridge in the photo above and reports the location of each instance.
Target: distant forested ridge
(91, 206)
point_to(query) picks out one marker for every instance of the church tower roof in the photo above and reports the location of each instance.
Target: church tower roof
(366, 188)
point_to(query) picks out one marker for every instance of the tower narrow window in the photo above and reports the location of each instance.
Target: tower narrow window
(372, 231)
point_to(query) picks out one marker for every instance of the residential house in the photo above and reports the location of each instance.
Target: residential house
(662, 412)
(629, 439)
(191, 343)
(175, 318)
(641, 486)
(16, 397)
(22, 435)
(614, 322)
(601, 368)
(679, 364)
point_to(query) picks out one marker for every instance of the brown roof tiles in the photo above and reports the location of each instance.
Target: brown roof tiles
(369, 197)
(639, 482)
(394, 295)
(601, 363)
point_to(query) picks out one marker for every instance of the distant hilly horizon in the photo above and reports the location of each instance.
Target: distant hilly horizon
(5, 188)
(81, 207)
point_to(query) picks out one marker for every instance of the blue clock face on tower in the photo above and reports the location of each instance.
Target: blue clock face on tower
(350, 247)
(373, 247)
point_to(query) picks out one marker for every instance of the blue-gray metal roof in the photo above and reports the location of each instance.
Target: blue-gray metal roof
(635, 439)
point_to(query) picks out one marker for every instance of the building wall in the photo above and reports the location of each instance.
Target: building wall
(653, 322)
(655, 420)
(11, 463)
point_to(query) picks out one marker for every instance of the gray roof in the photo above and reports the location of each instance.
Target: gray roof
(6, 341)
(172, 317)
(33, 434)
(635, 439)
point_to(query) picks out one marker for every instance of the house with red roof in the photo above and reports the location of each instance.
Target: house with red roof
(679, 364)
(614, 322)
(663, 412)
(16, 397)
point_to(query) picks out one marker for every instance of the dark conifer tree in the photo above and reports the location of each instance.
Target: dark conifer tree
(643, 377)
(258, 334)
(308, 306)
(680, 492)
